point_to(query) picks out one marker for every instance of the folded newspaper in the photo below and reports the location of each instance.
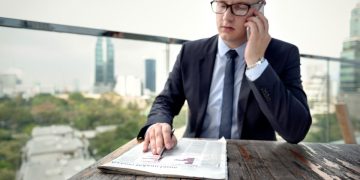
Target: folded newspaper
(190, 158)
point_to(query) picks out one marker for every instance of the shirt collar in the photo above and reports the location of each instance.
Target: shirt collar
(223, 48)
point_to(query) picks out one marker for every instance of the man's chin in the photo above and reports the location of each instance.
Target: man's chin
(230, 39)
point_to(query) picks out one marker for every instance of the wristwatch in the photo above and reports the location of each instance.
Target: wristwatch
(261, 60)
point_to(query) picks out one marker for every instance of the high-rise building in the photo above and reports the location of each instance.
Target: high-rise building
(150, 74)
(350, 74)
(104, 66)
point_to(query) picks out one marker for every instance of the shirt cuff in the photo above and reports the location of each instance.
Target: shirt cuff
(254, 73)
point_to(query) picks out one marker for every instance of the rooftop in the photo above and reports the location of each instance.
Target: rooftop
(53, 170)
(52, 144)
(52, 130)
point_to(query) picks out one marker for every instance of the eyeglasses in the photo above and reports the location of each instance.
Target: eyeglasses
(238, 9)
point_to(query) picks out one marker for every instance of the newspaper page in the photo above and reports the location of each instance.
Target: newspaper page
(190, 158)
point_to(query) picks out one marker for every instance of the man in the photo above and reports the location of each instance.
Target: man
(264, 73)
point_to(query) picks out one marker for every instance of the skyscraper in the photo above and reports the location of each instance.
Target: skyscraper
(150, 74)
(349, 74)
(104, 66)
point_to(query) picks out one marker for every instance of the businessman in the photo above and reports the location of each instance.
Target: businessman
(236, 87)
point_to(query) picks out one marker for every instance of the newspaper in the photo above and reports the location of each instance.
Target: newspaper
(190, 158)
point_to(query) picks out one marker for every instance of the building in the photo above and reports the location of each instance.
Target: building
(9, 84)
(349, 74)
(150, 75)
(104, 66)
(54, 153)
(129, 86)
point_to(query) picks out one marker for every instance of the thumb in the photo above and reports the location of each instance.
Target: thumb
(172, 143)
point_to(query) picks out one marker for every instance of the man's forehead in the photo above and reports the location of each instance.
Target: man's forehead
(239, 1)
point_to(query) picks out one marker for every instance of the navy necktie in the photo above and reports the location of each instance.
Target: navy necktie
(228, 96)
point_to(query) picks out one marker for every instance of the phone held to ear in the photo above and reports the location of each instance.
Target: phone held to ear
(261, 10)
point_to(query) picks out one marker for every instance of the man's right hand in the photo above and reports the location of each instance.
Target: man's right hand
(157, 136)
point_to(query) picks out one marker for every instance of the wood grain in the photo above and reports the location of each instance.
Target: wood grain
(248, 159)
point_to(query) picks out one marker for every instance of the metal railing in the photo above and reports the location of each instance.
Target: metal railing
(59, 28)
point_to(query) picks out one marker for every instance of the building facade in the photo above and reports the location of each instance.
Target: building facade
(129, 86)
(104, 66)
(150, 75)
(350, 74)
(9, 84)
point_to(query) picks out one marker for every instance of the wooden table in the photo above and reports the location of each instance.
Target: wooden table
(268, 160)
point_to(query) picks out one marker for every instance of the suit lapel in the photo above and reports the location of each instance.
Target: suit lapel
(206, 67)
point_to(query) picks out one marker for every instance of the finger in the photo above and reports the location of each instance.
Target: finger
(146, 142)
(253, 28)
(258, 23)
(263, 19)
(167, 136)
(152, 140)
(159, 139)
(251, 12)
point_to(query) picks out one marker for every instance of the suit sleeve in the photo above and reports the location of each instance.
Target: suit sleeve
(169, 102)
(282, 99)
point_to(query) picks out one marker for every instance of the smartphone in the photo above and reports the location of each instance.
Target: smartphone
(261, 10)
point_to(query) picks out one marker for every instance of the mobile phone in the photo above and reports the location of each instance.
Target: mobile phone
(261, 10)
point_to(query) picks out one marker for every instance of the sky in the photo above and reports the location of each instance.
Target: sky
(317, 27)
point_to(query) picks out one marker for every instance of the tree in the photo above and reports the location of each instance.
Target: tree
(107, 142)
(325, 128)
(18, 117)
(6, 174)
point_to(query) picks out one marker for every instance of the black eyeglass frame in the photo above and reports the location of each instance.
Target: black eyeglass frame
(261, 2)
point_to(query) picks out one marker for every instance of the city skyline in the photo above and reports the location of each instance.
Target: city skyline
(315, 32)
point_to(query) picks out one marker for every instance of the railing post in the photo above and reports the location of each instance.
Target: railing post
(342, 116)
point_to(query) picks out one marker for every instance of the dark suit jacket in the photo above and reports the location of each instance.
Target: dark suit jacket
(273, 102)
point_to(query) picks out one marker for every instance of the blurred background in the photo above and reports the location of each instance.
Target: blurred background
(77, 78)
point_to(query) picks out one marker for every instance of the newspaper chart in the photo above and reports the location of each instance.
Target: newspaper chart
(190, 158)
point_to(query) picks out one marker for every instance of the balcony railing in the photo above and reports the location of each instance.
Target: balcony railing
(320, 82)
(58, 62)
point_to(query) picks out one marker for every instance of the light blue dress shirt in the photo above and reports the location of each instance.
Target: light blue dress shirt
(212, 119)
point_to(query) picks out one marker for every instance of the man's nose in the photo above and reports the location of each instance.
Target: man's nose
(228, 15)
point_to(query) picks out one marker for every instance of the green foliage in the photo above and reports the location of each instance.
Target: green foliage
(355, 121)
(47, 110)
(7, 174)
(19, 116)
(14, 113)
(5, 135)
(10, 153)
(325, 128)
(77, 97)
(47, 98)
(180, 119)
(107, 142)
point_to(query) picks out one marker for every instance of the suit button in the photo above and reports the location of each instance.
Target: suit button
(265, 94)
